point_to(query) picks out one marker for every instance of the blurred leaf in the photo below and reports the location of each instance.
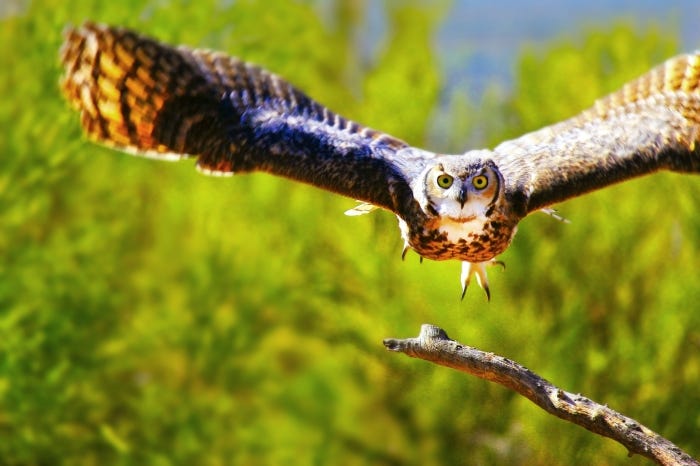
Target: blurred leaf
(149, 315)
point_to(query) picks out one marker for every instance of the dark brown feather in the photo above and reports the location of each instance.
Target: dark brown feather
(651, 124)
(148, 98)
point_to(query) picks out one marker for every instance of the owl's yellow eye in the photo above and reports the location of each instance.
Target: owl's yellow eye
(444, 181)
(480, 182)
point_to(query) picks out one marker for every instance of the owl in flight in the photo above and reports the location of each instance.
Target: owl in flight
(148, 98)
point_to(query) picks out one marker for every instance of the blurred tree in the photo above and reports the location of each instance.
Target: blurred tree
(149, 315)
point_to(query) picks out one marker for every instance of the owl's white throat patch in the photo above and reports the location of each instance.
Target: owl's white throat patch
(462, 228)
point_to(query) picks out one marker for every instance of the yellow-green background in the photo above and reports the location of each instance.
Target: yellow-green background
(151, 315)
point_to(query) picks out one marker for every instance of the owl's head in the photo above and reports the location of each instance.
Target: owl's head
(461, 191)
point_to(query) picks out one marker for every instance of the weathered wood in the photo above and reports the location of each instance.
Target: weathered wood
(435, 346)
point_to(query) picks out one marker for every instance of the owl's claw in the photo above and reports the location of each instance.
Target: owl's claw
(479, 270)
(405, 250)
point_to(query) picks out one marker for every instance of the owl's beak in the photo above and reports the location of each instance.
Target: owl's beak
(462, 196)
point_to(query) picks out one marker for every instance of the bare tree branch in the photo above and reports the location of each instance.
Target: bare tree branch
(435, 346)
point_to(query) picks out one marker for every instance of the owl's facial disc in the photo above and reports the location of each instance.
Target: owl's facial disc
(462, 194)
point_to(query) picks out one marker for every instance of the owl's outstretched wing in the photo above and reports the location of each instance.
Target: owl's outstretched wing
(148, 98)
(651, 124)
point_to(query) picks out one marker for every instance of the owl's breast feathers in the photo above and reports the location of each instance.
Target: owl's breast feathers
(477, 240)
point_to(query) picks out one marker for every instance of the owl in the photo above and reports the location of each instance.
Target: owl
(148, 98)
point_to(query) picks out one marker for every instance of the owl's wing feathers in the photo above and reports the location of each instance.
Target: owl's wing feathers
(145, 97)
(651, 124)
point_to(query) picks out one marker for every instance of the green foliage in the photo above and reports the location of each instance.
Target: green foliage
(149, 315)
(571, 76)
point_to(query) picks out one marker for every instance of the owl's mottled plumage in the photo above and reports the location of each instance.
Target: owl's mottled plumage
(145, 97)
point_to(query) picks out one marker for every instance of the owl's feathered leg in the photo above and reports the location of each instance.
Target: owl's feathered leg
(477, 269)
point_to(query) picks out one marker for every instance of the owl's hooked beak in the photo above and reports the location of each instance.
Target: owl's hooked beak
(462, 196)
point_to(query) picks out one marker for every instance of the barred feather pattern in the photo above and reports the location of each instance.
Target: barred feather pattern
(123, 84)
(651, 123)
(139, 95)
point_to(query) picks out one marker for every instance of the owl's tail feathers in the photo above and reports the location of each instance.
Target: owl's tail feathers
(137, 95)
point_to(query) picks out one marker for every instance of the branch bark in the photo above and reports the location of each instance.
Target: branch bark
(435, 346)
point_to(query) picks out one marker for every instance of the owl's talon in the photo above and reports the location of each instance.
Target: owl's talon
(477, 269)
(406, 248)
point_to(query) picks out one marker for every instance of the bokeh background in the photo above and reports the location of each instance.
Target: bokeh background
(151, 315)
